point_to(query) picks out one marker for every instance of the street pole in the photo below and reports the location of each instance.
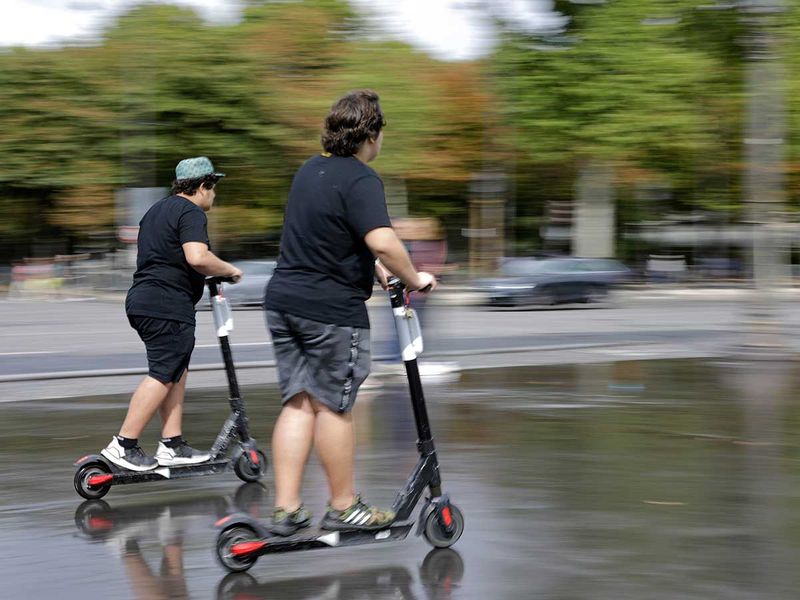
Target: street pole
(764, 150)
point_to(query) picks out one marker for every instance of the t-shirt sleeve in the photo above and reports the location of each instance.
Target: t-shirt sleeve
(365, 206)
(193, 227)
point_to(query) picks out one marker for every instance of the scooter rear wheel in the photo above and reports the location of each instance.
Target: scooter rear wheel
(246, 470)
(226, 540)
(81, 481)
(437, 535)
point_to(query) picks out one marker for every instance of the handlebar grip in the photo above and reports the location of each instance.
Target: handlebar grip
(394, 282)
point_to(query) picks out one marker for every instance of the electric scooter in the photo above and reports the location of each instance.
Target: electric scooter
(242, 539)
(95, 474)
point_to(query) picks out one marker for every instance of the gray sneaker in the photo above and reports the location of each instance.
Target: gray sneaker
(358, 516)
(183, 454)
(285, 523)
(133, 459)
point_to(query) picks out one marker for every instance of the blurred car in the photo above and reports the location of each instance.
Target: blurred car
(250, 290)
(552, 281)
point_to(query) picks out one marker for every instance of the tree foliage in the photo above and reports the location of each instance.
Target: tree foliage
(653, 88)
(79, 122)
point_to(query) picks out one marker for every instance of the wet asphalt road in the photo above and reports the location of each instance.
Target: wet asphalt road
(657, 479)
(41, 337)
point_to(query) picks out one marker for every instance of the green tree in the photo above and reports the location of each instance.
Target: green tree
(652, 88)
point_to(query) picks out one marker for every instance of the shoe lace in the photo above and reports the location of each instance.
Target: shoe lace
(280, 514)
(376, 515)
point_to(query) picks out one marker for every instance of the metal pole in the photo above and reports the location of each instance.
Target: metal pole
(764, 151)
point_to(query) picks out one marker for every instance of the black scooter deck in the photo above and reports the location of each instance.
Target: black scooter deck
(121, 477)
(326, 538)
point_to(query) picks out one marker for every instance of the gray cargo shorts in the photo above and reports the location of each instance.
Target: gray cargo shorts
(330, 362)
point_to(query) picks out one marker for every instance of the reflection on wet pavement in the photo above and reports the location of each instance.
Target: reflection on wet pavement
(439, 575)
(123, 531)
(656, 479)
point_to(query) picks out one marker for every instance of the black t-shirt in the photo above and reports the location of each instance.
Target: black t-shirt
(164, 285)
(325, 270)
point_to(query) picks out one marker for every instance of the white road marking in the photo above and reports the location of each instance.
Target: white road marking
(32, 352)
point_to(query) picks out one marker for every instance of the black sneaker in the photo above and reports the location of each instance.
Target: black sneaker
(287, 523)
(358, 516)
(182, 454)
(133, 459)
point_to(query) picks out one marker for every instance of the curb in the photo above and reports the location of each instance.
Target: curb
(94, 373)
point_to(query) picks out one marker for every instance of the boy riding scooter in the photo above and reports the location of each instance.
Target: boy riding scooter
(172, 262)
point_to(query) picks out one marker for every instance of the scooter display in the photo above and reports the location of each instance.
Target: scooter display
(242, 539)
(95, 475)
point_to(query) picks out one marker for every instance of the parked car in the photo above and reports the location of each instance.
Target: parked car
(552, 281)
(250, 290)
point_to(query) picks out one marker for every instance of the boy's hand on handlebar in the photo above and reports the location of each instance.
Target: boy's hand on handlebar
(236, 275)
(383, 274)
(425, 283)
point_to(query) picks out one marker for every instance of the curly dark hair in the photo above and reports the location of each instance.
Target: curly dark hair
(190, 186)
(352, 119)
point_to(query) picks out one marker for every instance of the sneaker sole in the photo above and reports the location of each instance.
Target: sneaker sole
(287, 530)
(121, 462)
(347, 527)
(178, 462)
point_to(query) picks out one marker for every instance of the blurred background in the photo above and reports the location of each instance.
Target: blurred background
(660, 133)
(537, 153)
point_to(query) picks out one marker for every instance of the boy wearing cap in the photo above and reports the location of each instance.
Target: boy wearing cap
(172, 261)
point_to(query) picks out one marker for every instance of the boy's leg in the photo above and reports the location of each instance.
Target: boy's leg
(173, 450)
(334, 438)
(147, 398)
(291, 445)
(171, 409)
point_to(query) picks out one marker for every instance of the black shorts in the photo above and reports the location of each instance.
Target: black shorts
(330, 362)
(169, 346)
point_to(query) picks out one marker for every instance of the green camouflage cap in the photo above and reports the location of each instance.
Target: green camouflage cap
(194, 168)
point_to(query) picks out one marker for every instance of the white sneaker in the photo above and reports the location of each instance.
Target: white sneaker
(444, 371)
(441, 368)
(180, 455)
(133, 459)
(371, 383)
(387, 369)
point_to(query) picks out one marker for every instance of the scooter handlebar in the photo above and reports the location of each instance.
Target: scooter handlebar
(395, 284)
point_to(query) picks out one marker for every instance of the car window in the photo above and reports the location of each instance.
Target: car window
(523, 268)
(602, 265)
(570, 266)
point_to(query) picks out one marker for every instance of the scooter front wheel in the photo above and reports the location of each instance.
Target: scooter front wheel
(225, 542)
(249, 469)
(81, 481)
(441, 535)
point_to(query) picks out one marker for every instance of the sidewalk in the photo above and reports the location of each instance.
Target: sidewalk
(466, 295)
(85, 348)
